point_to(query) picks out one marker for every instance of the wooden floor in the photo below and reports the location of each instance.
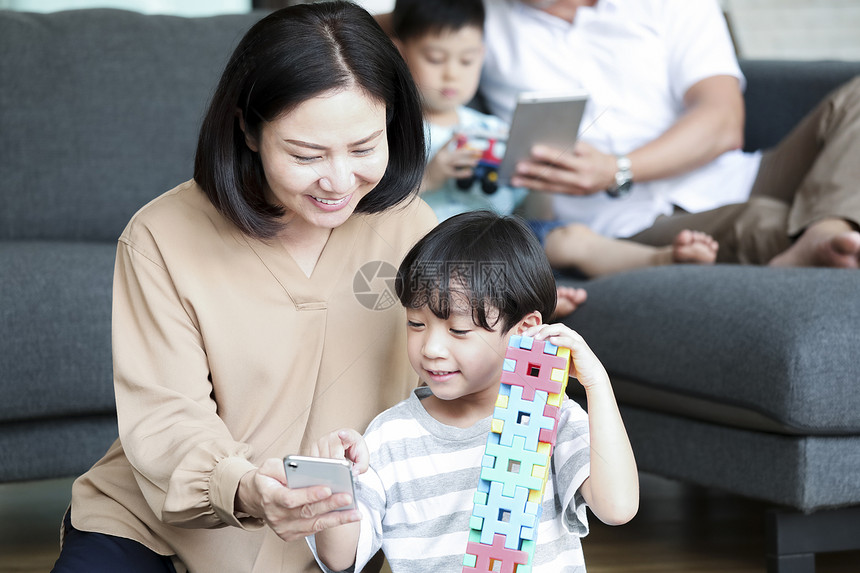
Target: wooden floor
(679, 528)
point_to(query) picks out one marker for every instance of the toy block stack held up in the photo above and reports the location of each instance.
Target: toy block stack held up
(516, 463)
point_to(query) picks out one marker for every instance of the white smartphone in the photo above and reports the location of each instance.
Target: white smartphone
(304, 471)
(549, 118)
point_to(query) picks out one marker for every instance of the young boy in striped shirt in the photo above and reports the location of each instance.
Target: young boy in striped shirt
(468, 286)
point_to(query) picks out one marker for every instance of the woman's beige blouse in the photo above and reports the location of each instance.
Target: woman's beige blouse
(226, 354)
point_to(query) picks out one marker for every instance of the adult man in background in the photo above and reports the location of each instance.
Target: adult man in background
(660, 141)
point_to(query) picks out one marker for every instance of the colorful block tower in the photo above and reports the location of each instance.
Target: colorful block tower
(517, 458)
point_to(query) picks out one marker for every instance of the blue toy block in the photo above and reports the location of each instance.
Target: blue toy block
(516, 461)
(519, 341)
(492, 439)
(469, 561)
(480, 498)
(514, 466)
(524, 418)
(550, 348)
(512, 517)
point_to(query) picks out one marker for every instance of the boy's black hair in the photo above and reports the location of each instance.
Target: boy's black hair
(496, 262)
(415, 18)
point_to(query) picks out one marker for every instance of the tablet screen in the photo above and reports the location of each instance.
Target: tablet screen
(542, 118)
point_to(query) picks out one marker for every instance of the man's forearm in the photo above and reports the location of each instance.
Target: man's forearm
(712, 125)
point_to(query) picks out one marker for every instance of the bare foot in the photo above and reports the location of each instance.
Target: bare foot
(694, 247)
(828, 243)
(569, 299)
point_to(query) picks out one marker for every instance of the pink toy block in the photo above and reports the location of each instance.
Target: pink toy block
(533, 370)
(549, 435)
(497, 552)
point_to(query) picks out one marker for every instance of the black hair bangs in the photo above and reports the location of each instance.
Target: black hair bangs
(481, 263)
(450, 286)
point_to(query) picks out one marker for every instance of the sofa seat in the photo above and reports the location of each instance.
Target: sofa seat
(740, 378)
(792, 331)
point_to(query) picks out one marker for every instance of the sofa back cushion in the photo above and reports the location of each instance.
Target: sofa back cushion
(99, 113)
(779, 93)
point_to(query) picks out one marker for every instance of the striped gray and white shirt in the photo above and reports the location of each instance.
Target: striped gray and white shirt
(417, 497)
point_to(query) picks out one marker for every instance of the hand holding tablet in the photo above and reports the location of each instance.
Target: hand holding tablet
(542, 118)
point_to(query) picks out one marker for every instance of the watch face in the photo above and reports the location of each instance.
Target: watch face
(622, 187)
(623, 178)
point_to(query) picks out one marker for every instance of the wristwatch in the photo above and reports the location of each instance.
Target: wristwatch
(623, 178)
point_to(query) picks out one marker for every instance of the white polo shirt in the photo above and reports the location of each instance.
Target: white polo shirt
(636, 59)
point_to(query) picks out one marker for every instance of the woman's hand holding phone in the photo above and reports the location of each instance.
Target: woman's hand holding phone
(291, 513)
(294, 513)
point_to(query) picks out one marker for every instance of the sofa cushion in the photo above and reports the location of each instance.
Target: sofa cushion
(780, 342)
(55, 305)
(805, 472)
(93, 124)
(40, 449)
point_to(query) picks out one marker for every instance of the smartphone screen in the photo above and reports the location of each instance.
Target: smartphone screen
(303, 471)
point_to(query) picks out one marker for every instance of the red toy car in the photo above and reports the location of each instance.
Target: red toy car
(487, 169)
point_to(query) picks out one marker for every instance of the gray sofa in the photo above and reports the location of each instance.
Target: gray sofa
(743, 379)
(99, 113)
(746, 379)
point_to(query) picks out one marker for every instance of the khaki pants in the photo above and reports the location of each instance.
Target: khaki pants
(813, 174)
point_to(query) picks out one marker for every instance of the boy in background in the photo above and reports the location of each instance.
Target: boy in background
(421, 459)
(443, 44)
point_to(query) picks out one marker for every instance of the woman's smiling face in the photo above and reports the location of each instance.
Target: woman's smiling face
(323, 157)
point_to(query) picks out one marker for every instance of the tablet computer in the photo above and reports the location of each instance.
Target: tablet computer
(549, 118)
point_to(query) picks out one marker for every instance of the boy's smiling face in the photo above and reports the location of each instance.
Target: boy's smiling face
(446, 67)
(456, 358)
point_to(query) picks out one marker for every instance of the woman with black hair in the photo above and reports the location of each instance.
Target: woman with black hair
(246, 318)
